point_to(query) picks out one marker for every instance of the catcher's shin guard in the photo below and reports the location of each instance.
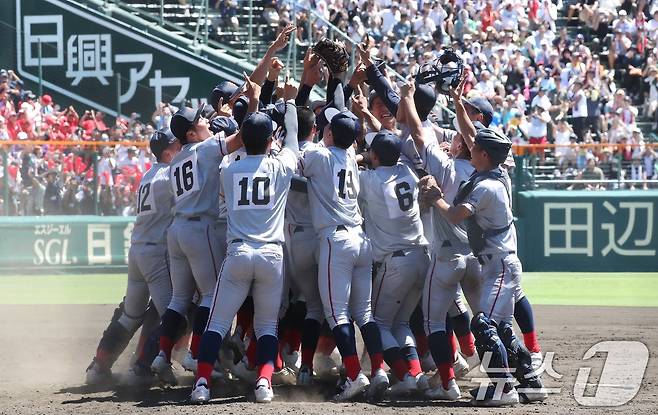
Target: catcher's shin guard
(519, 357)
(488, 342)
(114, 341)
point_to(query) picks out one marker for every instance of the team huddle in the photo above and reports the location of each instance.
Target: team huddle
(306, 220)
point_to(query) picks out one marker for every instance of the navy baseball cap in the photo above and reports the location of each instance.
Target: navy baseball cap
(183, 120)
(240, 109)
(257, 127)
(345, 126)
(494, 143)
(387, 146)
(160, 140)
(483, 106)
(225, 90)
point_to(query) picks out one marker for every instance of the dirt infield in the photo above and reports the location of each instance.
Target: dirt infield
(45, 349)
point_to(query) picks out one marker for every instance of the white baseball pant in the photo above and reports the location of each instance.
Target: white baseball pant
(302, 243)
(501, 286)
(397, 288)
(345, 275)
(196, 251)
(249, 267)
(148, 276)
(441, 294)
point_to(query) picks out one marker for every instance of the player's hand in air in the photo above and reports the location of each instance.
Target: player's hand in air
(282, 40)
(457, 92)
(289, 90)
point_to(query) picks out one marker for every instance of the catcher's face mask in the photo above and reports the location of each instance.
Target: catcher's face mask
(445, 72)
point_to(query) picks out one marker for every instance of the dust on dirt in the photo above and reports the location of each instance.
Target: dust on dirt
(45, 350)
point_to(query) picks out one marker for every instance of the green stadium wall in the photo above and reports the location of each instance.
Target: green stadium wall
(557, 231)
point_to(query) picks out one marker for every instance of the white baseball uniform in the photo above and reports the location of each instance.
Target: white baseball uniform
(255, 189)
(195, 237)
(389, 198)
(345, 255)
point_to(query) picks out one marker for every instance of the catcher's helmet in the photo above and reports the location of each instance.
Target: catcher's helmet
(445, 72)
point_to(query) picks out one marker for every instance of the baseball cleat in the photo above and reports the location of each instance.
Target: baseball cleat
(263, 391)
(422, 382)
(285, 376)
(325, 366)
(137, 376)
(189, 363)
(490, 399)
(379, 384)
(404, 387)
(531, 391)
(353, 388)
(200, 393)
(439, 393)
(96, 374)
(460, 366)
(164, 370)
(305, 376)
(292, 360)
(427, 363)
(242, 371)
(537, 360)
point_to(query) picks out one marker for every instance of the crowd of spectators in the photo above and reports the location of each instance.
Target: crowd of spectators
(588, 81)
(56, 179)
(547, 84)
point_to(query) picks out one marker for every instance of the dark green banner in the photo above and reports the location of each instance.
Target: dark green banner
(64, 242)
(85, 54)
(611, 231)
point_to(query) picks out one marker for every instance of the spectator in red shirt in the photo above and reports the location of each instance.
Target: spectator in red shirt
(488, 16)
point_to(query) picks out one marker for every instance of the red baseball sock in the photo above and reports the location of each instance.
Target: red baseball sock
(352, 366)
(446, 372)
(413, 366)
(421, 344)
(102, 356)
(399, 368)
(250, 353)
(530, 340)
(194, 345)
(278, 365)
(204, 370)
(454, 346)
(166, 344)
(467, 344)
(376, 362)
(265, 371)
(294, 340)
(326, 345)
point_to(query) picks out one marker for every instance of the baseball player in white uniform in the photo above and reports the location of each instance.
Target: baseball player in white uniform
(255, 189)
(345, 255)
(388, 196)
(195, 238)
(302, 242)
(452, 260)
(484, 203)
(148, 265)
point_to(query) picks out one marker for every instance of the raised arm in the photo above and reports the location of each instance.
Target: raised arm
(408, 108)
(378, 81)
(466, 127)
(260, 72)
(290, 119)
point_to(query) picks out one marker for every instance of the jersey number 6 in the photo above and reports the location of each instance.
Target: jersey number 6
(404, 195)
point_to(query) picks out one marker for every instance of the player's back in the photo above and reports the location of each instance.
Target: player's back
(195, 178)
(389, 197)
(154, 206)
(255, 189)
(298, 209)
(333, 187)
(238, 154)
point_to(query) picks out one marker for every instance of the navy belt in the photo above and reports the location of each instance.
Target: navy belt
(240, 240)
(150, 244)
(194, 218)
(399, 253)
(489, 256)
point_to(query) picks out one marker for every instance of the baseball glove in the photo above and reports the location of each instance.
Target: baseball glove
(333, 54)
